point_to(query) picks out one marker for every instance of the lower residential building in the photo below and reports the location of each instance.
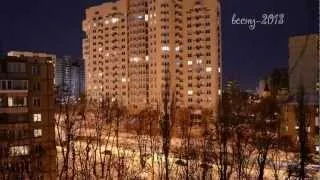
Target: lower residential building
(290, 125)
(27, 141)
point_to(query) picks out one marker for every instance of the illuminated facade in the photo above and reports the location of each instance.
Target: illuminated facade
(105, 51)
(156, 42)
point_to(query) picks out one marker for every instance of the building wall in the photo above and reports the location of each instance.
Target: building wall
(162, 42)
(47, 56)
(203, 53)
(105, 51)
(138, 68)
(303, 63)
(81, 77)
(304, 67)
(290, 125)
(75, 81)
(69, 75)
(26, 115)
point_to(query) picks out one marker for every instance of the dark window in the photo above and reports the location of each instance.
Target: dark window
(36, 101)
(15, 67)
(36, 86)
(3, 85)
(35, 69)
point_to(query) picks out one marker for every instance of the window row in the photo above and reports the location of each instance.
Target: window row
(14, 84)
(18, 101)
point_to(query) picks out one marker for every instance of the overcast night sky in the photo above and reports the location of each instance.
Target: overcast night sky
(54, 26)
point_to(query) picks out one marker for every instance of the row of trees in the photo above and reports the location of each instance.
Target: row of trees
(104, 141)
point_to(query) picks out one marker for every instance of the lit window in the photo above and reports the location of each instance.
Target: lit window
(219, 70)
(19, 150)
(106, 22)
(17, 101)
(208, 69)
(10, 101)
(189, 62)
(100, 74)
(134, 59)
(100, 49)
(147, 58)
(94, 24)
(114, 20)
(219, 92)
(113, 99)
(37, 132)
(124, 80)
(190, 92)
(178, 48)
(36, 117)
(199, 61)
(165, 48)
(146, 17)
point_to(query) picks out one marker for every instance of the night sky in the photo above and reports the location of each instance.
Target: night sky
(54, 26)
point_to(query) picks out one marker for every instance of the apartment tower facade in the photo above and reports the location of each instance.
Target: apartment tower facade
(134, 48)
(27, 134)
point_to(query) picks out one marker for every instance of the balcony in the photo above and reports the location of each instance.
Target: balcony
(13, 91)
(13, 110)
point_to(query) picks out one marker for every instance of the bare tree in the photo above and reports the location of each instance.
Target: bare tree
(243, 150)
(166, 125)
(222, 154)
(66, 127)
(302, 132)
(266, 131)
(189, 144)
(279, 154)
(153, 130)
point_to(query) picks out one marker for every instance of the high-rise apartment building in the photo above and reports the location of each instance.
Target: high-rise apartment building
(77, 78)
(27, 134)
(69, 75)
(62, 73)
(134, 48)
(105, 51)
